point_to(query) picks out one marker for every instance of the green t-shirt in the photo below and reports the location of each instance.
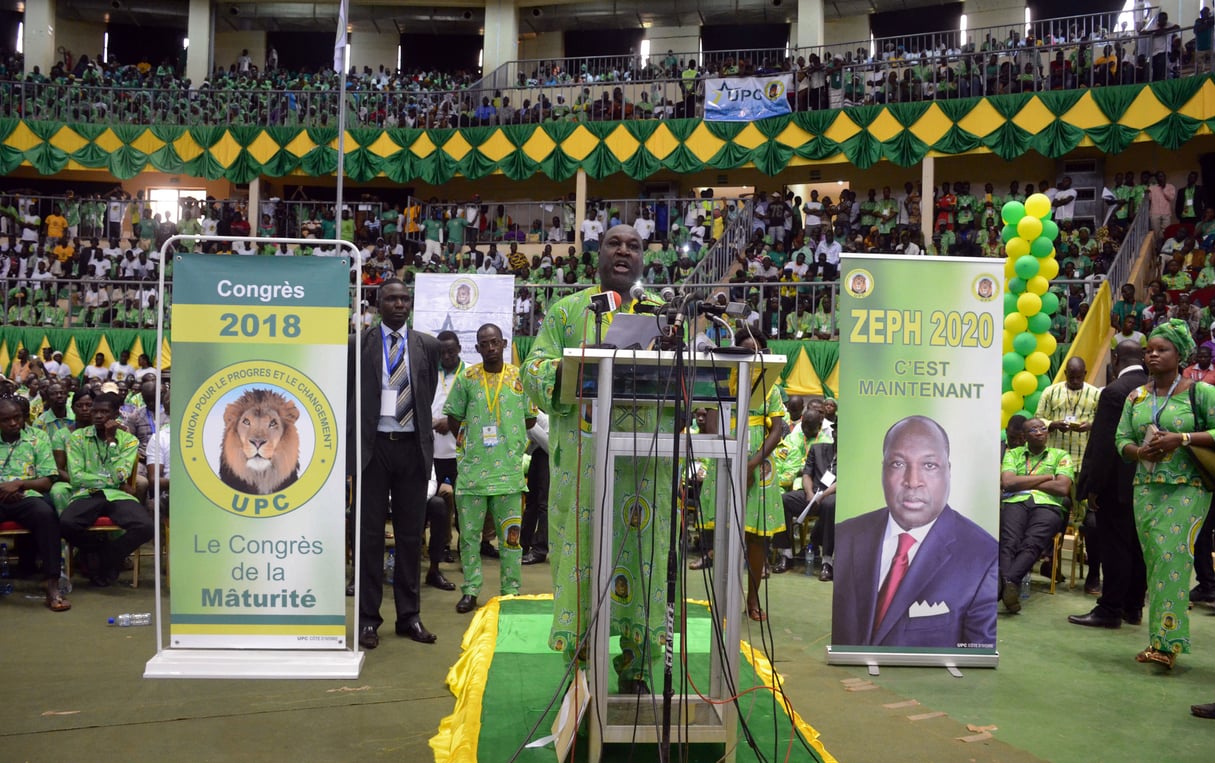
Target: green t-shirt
(1021, 462)
(433, 229)
(95, 466)
(29, 458)
(455, 231)
(1123, 193)
(493, 410)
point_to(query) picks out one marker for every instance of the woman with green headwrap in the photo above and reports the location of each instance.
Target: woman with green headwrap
(1159, 421)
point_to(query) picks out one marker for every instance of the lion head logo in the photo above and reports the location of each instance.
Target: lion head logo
(261, 448)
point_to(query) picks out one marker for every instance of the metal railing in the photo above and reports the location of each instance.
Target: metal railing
(726, 251)
(938, 72)
(1120, 269)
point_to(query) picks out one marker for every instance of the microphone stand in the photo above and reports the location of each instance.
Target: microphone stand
(675, 539)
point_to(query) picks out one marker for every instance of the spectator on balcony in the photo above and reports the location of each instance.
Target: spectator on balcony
(1191, 202)
(1161, 196)
(1161, 33)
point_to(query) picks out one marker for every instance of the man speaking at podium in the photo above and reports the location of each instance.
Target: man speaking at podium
(642, 485)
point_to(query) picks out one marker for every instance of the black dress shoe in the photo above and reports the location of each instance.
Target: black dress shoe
(532, 557)
(1202, 595)
(488, 551)
(1132, 616)
(350, 588)
(1097, 618)
(781, 565)
(368, 638)
(1203, 711)
(466, 604)
(1045, 571)
(416, 631)
(435, 579)
(827, 573)
(1010, 594)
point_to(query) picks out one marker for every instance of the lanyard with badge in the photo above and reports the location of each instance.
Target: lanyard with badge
(388, 396)
(489, 434)
(11, 450)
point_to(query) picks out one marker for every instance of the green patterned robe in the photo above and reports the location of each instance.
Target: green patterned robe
(642, 502)
(1170, 505)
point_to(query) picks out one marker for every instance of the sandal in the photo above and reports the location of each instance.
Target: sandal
(701, 563)
(1167, 659)
(54, 599)
(757, 614)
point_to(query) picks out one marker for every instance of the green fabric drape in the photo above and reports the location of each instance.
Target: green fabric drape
(49, 146)
(121, 340)
(791, 349)
(87, 340)
(87, 343)
(823, 358)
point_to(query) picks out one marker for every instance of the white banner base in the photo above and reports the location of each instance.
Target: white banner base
(215, 663)
(859, 656)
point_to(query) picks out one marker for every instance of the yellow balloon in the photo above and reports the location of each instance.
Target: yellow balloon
(1017, 247)
(1037, 205)
(1037, 285)
(1011, 402)
(1010, 268)
(1048, 267)
(1016, 323)
(1029, 228)
(1029, 305)
(1037, 363)
(1046, 344)
(1008, 341)
(1024, 383)
(1004, 417)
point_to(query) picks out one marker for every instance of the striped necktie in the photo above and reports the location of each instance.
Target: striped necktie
(398, 379)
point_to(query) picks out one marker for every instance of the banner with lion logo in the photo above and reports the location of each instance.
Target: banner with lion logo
(257, 473)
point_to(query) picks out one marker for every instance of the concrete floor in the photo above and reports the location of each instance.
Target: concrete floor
(73, 690)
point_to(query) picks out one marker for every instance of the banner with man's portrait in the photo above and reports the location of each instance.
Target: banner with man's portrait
(745, 99)
(917, 515)
(463, 303)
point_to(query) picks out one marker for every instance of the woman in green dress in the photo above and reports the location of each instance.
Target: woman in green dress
(1158, 421)
(765, 515)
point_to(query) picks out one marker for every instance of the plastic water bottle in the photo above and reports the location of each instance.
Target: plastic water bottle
(6, 582)
(129, 619)
(1025, 586)
(809, 570)
(390, 564)
(65, 583)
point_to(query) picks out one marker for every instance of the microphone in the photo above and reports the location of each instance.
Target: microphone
(667, 294)
(637, 292)
(604, 302)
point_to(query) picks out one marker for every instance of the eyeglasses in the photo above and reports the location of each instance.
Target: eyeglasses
(489, 344)
(1034, 430)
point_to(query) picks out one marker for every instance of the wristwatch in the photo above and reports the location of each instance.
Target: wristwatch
(1185, 439)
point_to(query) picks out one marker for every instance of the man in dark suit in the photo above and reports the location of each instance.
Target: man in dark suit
(400, 371)
(1106, 479)
(915, 573)
(818, 476)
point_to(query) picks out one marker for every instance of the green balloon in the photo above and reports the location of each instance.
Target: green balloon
(1031, 401)
(1014, 363)
(1009, 233)
(1043, 383)
(1010, 303)
(1024, 413)
(1006, 377)
(1012, 211)
(1041, 246)
(1026, 267)
(1050, 215)
(1050, 303)
(1039, 323)
(1025, 343)
(1050, 230)
(1016, 286)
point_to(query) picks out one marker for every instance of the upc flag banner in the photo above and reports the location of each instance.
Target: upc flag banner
(463, 303)
(743, 99)
(917, 518)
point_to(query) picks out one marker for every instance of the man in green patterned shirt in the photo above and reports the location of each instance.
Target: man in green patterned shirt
(101, 466)
(26, 471)
(56, 416)
(490, 414)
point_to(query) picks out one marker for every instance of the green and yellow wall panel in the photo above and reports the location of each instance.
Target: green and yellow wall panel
(1051, 123)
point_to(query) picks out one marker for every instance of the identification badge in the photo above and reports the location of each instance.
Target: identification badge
(489, 436)
(1069, 420)
(828, 479)
(388, 403)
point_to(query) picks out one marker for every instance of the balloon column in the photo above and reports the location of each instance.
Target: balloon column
(1029, 240)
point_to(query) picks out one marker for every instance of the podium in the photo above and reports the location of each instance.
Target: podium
(610, 379)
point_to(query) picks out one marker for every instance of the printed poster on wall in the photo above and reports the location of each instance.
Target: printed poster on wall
(463, 303)
(258, 411)
(919, 461)
(745, 99)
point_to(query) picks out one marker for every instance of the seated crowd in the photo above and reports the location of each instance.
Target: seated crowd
(662, 86)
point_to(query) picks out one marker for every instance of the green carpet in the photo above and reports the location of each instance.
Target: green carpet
(524, 676)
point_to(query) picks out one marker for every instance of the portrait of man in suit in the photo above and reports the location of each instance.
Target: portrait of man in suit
(915, 573)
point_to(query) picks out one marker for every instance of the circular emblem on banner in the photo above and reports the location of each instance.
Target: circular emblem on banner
(463, 293)
(775, 90)
(860, 283)
(258, 439)
(986, 287)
